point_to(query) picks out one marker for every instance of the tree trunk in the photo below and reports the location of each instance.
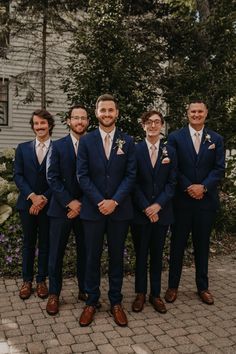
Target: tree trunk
(203, 8)
(44, 55)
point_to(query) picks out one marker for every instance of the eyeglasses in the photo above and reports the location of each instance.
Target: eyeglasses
(79, 118)
(156, 122)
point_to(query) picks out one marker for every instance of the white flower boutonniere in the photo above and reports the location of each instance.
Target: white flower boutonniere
(119, 146)
(164, 157)
(207, 138)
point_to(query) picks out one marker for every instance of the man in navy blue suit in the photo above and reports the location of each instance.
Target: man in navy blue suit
(65, 205)
(154, 190)
(106, 173)
(30, 178)
(200, 154)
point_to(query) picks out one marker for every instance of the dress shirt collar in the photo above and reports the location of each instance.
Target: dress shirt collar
(193, 131)
(149, 145)
(111, 134)
(46, 143)
(74, 140)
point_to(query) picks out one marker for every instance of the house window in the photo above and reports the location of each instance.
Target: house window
(4, 33)
(4, 102)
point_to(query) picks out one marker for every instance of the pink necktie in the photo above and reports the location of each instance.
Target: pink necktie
(107, 143)
(40, 153)
(153, 155)
(76, 147)
(197, 142)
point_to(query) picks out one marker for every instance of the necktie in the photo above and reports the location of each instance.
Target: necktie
(76, 147)
(197, 142)
(107, 143)
(153, 155)
(40, 153)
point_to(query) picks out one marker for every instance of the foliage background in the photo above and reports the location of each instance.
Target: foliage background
(150, 54)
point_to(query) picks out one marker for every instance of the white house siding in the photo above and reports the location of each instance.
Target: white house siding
(19, 59)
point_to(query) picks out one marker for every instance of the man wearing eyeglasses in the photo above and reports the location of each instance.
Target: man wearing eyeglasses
(154, 189)
(64, 209)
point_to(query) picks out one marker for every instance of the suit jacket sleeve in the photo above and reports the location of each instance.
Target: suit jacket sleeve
(19, 177)
(54, 177)
(215, 174)
(169, 190)
(183, 181)
(127, 184)
(86, 184)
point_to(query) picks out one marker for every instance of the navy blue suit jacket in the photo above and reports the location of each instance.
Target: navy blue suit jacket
(29, 175)
(154, 185)
(206, 167)
(100, 178)
(61, 176)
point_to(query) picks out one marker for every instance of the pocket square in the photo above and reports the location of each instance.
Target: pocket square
(119, 151)
(165, 160)
(211, 147)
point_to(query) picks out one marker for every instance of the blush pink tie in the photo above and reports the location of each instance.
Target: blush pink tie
(40, 153)
(107, 144)
(197, 142)
(153, 155)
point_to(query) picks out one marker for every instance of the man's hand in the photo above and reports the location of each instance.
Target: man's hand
(154, 218)
(34, 210)
(38, 199)
(107, 206)
(196, 191)
(75, 205)
(74, 209)
(152, 210)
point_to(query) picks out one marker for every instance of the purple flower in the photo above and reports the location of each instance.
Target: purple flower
(9, 259)
(2, 236)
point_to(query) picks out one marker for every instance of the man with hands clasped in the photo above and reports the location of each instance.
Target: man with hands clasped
(30, 178)
(106, 174)
(154, 189)
(200, 154)
(64, 209)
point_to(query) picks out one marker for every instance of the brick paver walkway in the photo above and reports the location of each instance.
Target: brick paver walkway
(188, 327)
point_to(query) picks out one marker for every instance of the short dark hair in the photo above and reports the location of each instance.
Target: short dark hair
(146, 115)
(76, 106)
(197, 100)
(42, 113)
(107, 97)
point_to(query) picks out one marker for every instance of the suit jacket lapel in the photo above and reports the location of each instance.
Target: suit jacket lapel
(70, 147)
(99, 145)
(146, 156)
(158, 163)
(117, 135)
(33, 153)
(189, 143)
(203, 146)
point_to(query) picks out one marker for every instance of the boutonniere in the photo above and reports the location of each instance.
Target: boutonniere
(119, 146)
(211, 147)
(207, 138)
(164, 156)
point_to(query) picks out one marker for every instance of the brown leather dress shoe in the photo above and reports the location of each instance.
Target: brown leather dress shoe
(42, 290)
(119, 315)
(138, 303)
(171, 295)
(52, 307)
(25, 290)
(158, 304)
(206, 297)
(87, 315)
